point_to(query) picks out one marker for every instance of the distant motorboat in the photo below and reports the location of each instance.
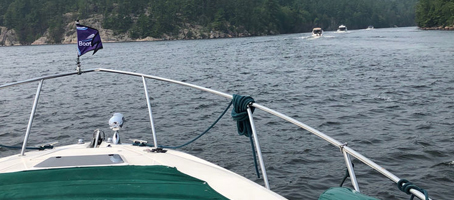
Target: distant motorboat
(317, 32)
(370, 27)
(342, 29)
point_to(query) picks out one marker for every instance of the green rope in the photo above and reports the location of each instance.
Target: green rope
(405, 186)
(346, 176)
(240, 115)
(206, 131)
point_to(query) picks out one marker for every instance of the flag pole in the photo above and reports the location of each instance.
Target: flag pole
(78, 65)
(78, 57)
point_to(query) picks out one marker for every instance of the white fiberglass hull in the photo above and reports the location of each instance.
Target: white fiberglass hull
(225, 182)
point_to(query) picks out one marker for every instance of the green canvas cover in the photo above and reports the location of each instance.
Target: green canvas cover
(341, 193)
(107, 182)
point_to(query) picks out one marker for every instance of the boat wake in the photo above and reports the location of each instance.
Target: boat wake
(311, 37)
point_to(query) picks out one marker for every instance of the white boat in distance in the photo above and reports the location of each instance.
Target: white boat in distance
(342, 29)
(109, 168)
(370, 27)
(317, 32)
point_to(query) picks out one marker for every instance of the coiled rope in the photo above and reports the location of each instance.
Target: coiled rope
(405, 186)
(240, 115)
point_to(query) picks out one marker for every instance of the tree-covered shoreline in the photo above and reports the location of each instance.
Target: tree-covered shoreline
(190, 19)
(435, 14)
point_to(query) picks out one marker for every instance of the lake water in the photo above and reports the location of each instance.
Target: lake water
(389, 93)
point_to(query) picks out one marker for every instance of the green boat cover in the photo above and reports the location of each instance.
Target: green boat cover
(107, 182)
(341, 193)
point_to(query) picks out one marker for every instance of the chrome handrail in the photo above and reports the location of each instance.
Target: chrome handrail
(153, 132)
(32, 116)
(344, 149)
(257, 146)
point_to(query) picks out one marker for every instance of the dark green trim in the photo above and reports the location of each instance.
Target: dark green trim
(342, 193)
(108, 182)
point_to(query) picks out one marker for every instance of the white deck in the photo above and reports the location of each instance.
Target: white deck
(227, 183)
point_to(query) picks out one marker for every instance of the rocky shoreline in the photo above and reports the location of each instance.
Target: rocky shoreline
(9, 37)
(445, 28)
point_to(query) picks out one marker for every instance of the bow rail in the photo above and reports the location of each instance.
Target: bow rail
(346, 151)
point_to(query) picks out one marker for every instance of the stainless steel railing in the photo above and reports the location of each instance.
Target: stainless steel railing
(346, 151)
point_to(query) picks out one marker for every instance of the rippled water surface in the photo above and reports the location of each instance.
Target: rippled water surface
(388, 93)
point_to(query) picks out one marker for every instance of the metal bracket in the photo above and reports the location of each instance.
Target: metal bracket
(341, 147)
(139, 143)
(157, 150)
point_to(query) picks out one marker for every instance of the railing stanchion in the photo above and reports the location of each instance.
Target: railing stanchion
(257, 145)
(32, 115)
(350, 169)
(155, 142)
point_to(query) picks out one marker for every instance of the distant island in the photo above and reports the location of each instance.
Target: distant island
(27, 22)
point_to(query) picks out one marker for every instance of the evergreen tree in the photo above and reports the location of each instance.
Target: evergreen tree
(435, 13)
(156, 18)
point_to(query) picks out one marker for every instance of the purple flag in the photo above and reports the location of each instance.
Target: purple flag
(88, 39)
